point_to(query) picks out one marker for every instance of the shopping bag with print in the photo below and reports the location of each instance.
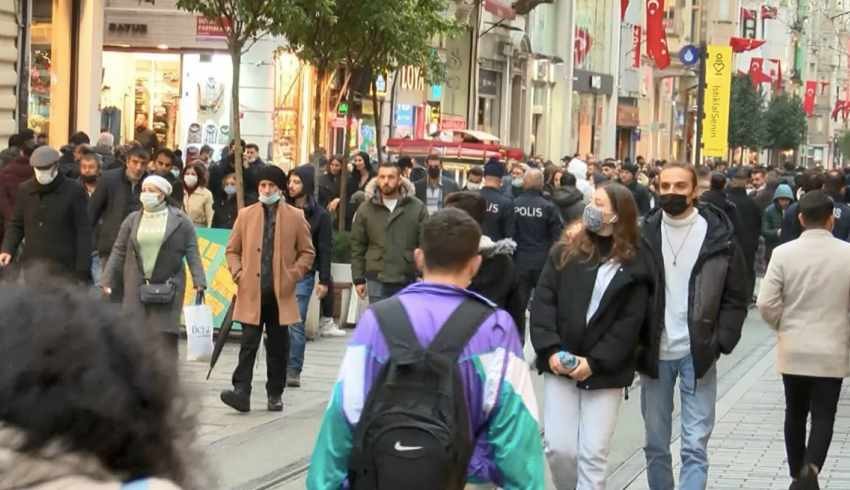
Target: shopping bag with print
(199, 330)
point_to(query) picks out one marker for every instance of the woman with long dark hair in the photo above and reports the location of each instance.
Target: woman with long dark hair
(585, 322)
(361, 173)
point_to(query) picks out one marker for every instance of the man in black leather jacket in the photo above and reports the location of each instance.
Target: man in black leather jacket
(696, 312)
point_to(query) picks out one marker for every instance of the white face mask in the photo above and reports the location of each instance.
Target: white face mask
(149, 200)
(474, 187)
(45, 176)
(190, 180)
(269, 200)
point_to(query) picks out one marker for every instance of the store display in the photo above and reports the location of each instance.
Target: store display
(224, 135)
(210, 134)
(194, 136)
(210, 96)
(110, 120)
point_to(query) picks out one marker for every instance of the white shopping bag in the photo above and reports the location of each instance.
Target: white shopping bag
(199, 332)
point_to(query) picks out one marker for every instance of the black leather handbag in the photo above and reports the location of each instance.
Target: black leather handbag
(154, 294)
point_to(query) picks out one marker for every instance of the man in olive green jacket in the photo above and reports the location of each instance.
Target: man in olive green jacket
(384, 235)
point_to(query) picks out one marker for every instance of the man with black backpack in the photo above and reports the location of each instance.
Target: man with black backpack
(433, 390)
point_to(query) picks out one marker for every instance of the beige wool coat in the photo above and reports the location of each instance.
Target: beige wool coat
(805, 297)
(294, 255)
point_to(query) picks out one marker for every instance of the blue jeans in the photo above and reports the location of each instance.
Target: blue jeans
(379, 291)
(297, 333)
(698, 399)
(96, 270)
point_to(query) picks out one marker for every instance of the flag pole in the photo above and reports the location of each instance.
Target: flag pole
(703, 52)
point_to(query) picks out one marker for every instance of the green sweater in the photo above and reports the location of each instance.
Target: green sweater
(150, 236)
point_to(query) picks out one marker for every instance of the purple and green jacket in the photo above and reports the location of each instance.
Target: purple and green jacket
(499, 395)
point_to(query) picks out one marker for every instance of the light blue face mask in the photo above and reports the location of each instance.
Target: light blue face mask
(269, 200)
(230, 190)
(594, 219)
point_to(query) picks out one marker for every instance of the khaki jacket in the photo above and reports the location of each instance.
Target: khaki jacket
(805, 297)
(294, 255)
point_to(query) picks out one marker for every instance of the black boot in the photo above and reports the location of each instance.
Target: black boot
(808, 478)
(275, 403)
(237, 399)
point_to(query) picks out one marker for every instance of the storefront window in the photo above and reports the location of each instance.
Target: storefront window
(40, 67)
(141, 89)
(587, 112)
(205, 105)
(289, 76)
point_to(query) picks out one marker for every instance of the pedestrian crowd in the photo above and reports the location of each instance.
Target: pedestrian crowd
(610, 269)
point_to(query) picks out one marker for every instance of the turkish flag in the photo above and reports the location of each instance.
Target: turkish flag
(581, 46)
(757, 72)
(748, 14)
(776, 75)
(741, 44)
(656, 37)
(624, 4)
(839, 106)
(846, 110)
(768, 12)
(809, 100)
(636, 39)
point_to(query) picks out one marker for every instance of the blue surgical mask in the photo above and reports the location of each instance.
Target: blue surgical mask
(175, 172)
(269, 200)
(230, 189)
(594, 219)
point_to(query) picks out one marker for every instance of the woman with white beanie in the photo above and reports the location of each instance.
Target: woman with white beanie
(149, 252)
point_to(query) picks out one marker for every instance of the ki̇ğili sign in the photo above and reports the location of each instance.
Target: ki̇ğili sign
(718, 88)
(220, 285)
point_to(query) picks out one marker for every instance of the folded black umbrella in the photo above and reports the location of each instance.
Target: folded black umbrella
(223, 334)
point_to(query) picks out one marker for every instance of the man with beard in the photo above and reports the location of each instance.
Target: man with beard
(696, 313)
(163, 164)
(143, 135)
(434, 188)
(384, 235)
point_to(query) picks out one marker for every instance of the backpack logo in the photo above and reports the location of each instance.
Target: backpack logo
(403, 449)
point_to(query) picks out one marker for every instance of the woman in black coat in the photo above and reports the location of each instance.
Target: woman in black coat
(361, 173)
(590, 302)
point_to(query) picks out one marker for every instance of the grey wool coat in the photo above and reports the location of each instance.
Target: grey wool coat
(180, 242)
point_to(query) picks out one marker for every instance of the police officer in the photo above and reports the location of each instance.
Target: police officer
(499, 221)
(537, 226)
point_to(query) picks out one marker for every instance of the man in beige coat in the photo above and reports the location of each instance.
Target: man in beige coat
(805, 297)
(269, 251)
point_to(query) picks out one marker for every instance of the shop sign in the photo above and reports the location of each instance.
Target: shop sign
(209, 28)
(718, 78)
(628, 116)
(381, 86)
(452, 123)
(488, 82)
(434, 113)
(338, 123)
(411, 79)
(119, 28)
(221, 289)
(404, 115)
(343, 108)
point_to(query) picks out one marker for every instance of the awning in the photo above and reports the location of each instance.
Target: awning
(500, 9)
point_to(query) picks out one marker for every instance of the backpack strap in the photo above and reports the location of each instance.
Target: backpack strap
(460, 327)
(398, 332)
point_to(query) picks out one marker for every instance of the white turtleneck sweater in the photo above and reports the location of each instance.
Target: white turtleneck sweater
(688, 234)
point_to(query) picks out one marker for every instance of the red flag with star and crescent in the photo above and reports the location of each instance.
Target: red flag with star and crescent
(757, 74)
(741, 44)
(809, 100)
(656, 36)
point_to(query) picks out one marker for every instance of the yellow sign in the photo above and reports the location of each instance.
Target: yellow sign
(220, 285)
(718, 88)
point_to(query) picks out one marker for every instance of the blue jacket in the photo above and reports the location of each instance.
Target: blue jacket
(791, 228)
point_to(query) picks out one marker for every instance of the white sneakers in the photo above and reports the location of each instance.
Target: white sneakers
(327, 328)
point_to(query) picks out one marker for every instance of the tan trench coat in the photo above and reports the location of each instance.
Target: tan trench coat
(294, 256)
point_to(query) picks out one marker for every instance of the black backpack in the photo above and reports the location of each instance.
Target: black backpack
(414, 429)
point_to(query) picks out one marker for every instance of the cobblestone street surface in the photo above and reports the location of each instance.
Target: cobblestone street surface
(261, 450)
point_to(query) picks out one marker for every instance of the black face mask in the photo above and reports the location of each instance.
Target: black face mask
(674, 204)
(433, 172)
(89, 179)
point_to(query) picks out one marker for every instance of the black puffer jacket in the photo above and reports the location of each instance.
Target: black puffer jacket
(497, 278)
(570, 202)
(609, 340)
(321, 228)
(113, 200)
(717, 299)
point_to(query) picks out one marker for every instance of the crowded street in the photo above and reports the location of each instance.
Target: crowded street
(424, 245)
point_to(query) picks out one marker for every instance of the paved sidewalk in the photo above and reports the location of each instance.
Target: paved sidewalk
(747, 449)
(243, 449)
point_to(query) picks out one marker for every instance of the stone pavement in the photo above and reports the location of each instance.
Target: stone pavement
(747, 449)
(244, 449)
